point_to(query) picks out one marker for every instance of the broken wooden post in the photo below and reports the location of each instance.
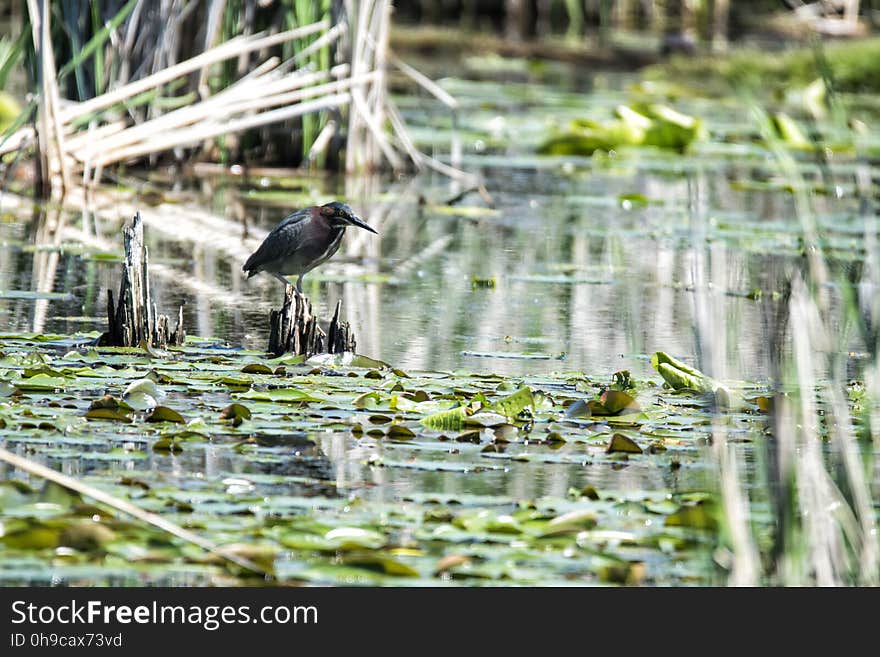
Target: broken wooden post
(133, 319)
(339, 335)
(294, 329)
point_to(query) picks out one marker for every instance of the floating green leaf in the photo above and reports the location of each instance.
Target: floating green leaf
(451, 420)
(651, 125)
(613, 402)
(790, 132)
(37, 537)
(680, 375)
(257, 368)
(572, 521)
(237, 413)
(107, 414)
(699, 516)
(86, 535)
(41, 383)
(167, 445)
(623, 444)
(512, 405)
(380, 561)
(290, 395)
(353, 538)
(165, 414)
(400, 432)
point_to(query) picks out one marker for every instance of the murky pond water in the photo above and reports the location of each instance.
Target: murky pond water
(583, 265)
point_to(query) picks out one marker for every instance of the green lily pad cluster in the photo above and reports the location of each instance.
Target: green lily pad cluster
(345, 470)
(652, 124)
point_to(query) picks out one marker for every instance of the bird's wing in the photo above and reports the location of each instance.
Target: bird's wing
(277, 243)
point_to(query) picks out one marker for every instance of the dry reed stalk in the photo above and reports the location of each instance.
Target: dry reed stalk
(374, 125)
(215, 108)
(332, 35)
(196, 134)
(368, 102)
(379, 91)
(49, 126)
(357, 150)
(275, 99)
(377, 41)
(18, 140)
(82, 138)
(746, 567)
(228, 50)
(127, 46)
(400, 129)
(322, 141)
(41, 471)
(425, 82)
(845, 443)
(51, 78)
(419, 158)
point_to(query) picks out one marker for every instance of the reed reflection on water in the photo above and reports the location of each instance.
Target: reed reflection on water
(562, 276)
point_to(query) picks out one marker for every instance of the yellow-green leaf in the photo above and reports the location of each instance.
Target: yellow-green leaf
(623, 444)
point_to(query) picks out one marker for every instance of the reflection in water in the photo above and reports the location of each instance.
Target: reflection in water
(585, 265)
(582, 281)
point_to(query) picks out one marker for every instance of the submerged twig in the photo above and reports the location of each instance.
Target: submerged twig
(124, 506)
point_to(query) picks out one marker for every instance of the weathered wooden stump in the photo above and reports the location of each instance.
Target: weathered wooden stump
(134, 319)
(294, 329)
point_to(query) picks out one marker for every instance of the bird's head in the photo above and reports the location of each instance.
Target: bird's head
(339, 215)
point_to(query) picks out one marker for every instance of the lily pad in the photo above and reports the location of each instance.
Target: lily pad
(165, 414)
(113, 414)
(287, 395)
(623, 444)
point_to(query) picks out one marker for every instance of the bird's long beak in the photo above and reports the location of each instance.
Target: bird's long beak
(360, 223)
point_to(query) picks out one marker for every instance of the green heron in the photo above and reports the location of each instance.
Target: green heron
(302, 241)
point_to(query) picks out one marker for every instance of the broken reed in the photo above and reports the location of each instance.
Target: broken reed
(77, 141)
(811, 468)
(294, 329)
(149, 39)
(132, 317)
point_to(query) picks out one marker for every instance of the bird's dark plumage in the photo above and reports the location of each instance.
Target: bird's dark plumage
(302, 241)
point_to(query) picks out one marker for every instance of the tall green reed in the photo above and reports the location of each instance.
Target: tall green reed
(817, 451)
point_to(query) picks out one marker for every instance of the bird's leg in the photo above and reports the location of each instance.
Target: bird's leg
(299, 284)
(280, 278)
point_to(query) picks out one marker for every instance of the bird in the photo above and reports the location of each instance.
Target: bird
(302, 241)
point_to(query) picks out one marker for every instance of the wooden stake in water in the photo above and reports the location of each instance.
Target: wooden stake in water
(133, 318)
(294, 329)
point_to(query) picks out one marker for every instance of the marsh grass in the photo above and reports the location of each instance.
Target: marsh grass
(294, 84)
(819, 445)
